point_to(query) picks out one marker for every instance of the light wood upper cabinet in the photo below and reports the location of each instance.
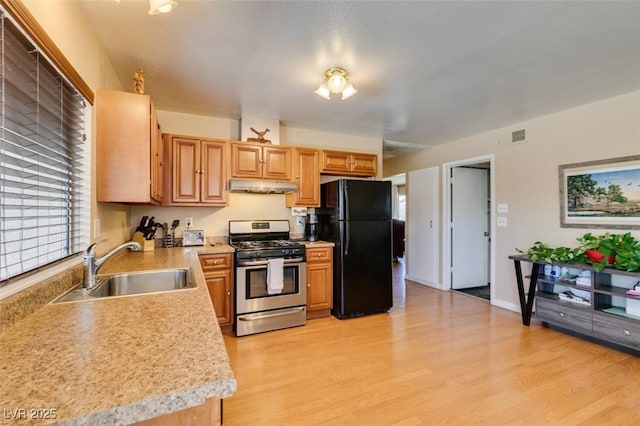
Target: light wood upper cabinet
(129, 158)
(348, 163)
(157, 159)
(306, 174)
(254, 161)
(198, 170)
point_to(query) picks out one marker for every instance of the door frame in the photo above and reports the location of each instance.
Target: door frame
(446, 209)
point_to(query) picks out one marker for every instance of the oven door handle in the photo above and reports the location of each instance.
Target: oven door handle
(256, 317)
(266, 262)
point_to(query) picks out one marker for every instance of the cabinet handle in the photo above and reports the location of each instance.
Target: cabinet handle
(626, 332)
(162, 164)
(308, 284)
(228, 293)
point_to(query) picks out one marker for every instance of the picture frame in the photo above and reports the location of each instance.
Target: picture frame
(601, 194)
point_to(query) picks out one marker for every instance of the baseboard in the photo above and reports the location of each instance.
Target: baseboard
(439, 286)
(506, 305)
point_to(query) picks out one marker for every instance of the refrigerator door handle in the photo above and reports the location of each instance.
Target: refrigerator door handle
(346, 201)
(346, 230)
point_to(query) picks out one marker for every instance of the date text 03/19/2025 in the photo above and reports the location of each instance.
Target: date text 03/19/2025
(29, 413)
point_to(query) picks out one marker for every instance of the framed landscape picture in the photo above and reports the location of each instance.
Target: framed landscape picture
(601, 194)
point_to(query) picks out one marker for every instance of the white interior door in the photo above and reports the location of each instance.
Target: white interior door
(422, 227)
(470, 227)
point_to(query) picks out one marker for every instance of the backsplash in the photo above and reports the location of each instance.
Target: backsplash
(23, 303)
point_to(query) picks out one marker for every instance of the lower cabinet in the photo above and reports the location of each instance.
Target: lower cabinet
(209, 413)
(218, 274)
(319, 282)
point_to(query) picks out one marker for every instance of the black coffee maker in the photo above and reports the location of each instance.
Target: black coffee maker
(311, 227)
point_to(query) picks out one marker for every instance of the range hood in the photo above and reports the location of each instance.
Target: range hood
(261, 186)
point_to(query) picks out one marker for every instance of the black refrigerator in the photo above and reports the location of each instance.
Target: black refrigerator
(356, 216)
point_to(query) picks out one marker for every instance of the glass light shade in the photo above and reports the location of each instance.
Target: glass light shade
(323, 90)
(337, 82)
(161, 6)
(348, 91)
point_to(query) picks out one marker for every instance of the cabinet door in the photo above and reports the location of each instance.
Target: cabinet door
(364, 164)
(157, 159)
(123, 147)
(306, 174)
(219, 286)
(276, 163)
(319, 283)
(335, 162)
(214, 177)
(186, 170)
(246, 161)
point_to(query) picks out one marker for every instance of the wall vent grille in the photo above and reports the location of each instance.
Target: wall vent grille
(518, 136)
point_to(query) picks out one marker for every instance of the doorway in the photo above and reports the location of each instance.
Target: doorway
(467, 236)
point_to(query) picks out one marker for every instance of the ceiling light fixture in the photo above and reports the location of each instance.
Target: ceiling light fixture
(336, 81)
(161, 6)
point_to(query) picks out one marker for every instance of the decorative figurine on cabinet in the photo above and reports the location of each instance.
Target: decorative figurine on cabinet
(260, 137)
(138, 81)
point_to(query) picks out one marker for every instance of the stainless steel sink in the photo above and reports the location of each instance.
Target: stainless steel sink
(130, 283)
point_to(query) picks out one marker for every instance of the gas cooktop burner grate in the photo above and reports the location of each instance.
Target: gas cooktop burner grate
(256, 245)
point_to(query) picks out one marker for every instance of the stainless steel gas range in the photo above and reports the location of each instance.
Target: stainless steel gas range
(270, 276)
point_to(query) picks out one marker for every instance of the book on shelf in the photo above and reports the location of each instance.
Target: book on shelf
(567, 296)
(583, 281)
(633, 292)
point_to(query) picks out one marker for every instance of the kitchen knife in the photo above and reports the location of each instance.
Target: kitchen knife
(148, 228)
(143, 222)
(155, 228)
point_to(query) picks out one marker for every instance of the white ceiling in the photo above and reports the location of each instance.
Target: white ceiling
(427, 72)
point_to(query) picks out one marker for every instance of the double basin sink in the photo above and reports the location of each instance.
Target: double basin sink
(131, 283)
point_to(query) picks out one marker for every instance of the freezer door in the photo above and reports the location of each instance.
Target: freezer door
(365, 200)
(363, 277)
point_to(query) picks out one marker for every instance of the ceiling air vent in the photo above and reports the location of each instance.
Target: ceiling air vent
(518, 136)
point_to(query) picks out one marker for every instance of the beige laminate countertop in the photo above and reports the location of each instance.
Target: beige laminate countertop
(318, 244)
(121, 359)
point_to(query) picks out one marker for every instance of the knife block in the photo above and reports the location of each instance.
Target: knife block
(147, 245)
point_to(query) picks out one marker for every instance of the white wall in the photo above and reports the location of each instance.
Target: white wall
(527, 174)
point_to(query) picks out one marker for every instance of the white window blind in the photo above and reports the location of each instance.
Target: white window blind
(43, 165)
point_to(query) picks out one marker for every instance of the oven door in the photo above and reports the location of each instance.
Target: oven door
(251, 287)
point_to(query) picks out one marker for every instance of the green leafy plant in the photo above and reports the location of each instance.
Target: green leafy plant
(546, 253)
(622, 251)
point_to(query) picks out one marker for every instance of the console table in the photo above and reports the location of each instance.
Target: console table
(600, 308)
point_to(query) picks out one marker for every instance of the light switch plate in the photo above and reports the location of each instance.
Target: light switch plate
(503, 208)
(502, 221)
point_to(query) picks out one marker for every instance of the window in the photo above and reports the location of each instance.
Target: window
(44, 160)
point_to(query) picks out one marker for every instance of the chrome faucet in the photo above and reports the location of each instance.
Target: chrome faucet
(92, 264)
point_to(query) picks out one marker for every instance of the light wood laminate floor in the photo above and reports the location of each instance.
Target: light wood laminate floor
(436, 358)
